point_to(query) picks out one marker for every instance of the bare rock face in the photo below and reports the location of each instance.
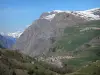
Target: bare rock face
(35, 39)
(38, 38)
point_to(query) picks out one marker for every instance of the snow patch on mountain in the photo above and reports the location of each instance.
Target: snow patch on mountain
(87, 14)
(49, 17)
(57, 11)
(14, 34)
(92, 10)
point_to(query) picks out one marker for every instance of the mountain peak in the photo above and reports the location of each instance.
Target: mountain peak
(91, 14)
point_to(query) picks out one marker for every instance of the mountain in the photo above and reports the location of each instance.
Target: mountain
(38, 38)
(13, 34)
(92, 14)
(59, 43)
(6, 41)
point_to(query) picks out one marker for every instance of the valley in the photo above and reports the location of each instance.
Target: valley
(58, 43)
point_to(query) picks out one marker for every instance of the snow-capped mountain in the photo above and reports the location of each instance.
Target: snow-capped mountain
(7, 40)
(92, 14)
(40, 35)
(13, 34)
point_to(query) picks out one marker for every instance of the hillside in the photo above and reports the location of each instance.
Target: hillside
(78, 35)
(15, 63)
(79, 42)
(90, 69)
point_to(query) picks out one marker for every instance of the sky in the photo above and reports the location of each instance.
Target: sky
(16, 15)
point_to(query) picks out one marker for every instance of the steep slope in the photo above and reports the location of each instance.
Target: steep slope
(38, 38)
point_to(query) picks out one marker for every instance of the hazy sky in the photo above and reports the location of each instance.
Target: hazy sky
(15, 15)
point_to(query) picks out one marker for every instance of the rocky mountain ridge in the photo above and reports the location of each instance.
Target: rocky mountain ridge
(39, 37)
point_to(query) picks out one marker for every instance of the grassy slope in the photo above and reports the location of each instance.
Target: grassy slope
(73, 38)
(84, 57)
(15, 63)
(90, 69)
(79, 38)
